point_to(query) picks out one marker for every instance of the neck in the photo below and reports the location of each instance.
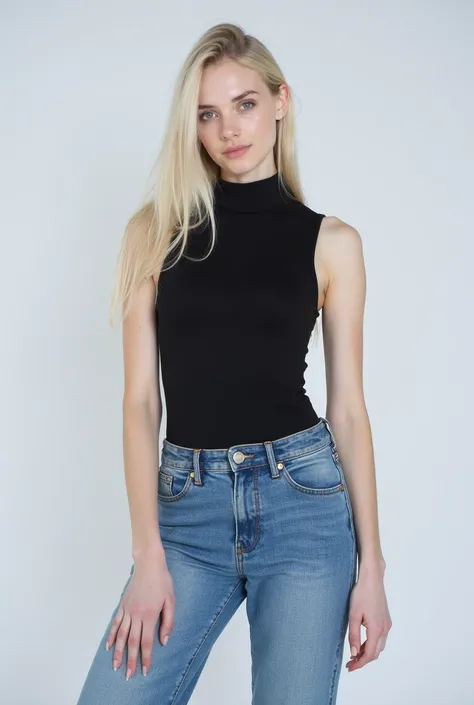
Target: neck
(251, 196)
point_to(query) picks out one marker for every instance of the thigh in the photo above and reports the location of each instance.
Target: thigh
(205, 602)
(297, 630)
(299, 579)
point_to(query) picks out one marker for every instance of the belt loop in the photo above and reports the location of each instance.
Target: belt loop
(196, 469)
(271, 458)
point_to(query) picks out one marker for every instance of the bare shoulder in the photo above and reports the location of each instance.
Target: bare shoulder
(338, 241)
(338, 255)
(341, 258)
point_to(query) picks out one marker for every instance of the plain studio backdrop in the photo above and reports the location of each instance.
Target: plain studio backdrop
(384, 135)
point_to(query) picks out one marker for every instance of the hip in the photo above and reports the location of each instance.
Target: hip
(266, 505)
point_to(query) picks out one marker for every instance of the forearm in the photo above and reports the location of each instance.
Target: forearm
(140, 451)
(354, 440)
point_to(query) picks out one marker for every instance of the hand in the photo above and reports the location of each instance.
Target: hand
(368, 607)
(149, 593)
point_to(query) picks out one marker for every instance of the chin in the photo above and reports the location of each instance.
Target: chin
(239, 166)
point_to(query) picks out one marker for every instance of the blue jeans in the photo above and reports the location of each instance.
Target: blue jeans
(270, 523)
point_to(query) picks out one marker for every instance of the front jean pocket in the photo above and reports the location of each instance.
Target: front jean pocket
(173, 483)
(314, 472)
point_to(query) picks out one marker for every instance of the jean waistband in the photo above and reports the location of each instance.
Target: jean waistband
(249, 455)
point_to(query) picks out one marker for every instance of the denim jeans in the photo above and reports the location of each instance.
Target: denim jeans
(270, 523)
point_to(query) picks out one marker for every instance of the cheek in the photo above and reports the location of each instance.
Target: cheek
(261, 126)
(207, 139)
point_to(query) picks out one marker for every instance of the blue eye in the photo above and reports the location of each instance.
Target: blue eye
(210, 112)
(201, 117)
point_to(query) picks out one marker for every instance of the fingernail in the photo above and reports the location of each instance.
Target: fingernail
(354, 651)
(128, 673)
(144, 669)
(115, 665)
(165, 640)
(107, 646)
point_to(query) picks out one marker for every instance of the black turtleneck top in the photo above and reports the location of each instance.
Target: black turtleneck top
(233, 329)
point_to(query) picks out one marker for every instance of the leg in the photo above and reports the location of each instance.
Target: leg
(298, 625)
(300, 575)
(196, 526)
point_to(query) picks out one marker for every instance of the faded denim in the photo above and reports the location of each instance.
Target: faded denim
(276, 530)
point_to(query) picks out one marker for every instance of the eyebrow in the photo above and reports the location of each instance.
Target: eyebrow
(234, 100)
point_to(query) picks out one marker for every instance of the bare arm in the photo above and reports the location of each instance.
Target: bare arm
(150, 591)
(342, 318)
(343, 314)
(142, 410)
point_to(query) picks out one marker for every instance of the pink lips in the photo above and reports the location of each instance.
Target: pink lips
(233, 154)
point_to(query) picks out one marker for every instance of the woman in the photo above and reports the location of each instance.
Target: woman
(220, 278)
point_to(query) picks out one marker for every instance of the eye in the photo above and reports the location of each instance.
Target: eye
(201, 117)
(210, 112)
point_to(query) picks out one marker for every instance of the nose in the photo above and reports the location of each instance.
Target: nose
(230, 127)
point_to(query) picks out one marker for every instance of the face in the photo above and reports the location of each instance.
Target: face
(236, 109)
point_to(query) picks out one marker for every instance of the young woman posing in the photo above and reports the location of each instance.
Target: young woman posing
(222, 276)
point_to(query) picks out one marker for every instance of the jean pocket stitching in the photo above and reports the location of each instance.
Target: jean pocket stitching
(170, 497)
(310, 490)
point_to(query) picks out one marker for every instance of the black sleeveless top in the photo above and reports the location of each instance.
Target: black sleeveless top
(233, 329)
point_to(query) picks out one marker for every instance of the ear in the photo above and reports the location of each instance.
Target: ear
(282, 101)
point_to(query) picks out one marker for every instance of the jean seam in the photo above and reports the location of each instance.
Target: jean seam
(340, 469)
(334, 672)
(256, 498)
(193, 658)
(340, 645)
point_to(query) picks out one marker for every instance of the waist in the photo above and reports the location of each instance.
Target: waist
(247, 455)
(215, 421)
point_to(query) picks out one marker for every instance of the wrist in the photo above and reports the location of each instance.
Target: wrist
(153, 549)
(373, 566)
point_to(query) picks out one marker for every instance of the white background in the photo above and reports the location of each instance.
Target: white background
(384, 119)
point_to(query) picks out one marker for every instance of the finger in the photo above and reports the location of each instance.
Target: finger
(369, 648)
(122, 636)
(117, 621)
(167, 619)
(133, 643)
(380, 645)
(351, 664)
(148, 635)
(355, 622)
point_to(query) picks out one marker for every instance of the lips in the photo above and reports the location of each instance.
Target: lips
(237, 152)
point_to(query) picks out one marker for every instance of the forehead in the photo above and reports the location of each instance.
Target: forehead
(226, 80)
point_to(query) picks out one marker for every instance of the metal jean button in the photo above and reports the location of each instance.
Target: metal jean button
(238, 457)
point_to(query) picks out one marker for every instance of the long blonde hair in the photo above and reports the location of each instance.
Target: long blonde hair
(181, 197)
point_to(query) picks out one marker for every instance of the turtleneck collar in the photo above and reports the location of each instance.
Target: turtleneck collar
(251, 196)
